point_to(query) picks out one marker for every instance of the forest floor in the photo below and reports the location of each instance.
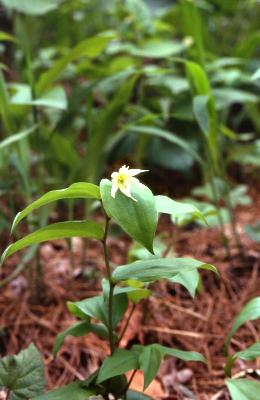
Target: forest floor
(170, 317)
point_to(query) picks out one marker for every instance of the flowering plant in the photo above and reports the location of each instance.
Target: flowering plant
(135, 209)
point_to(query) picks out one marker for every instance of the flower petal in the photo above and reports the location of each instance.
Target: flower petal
(134, 172)
(114, 189)
(126, 191)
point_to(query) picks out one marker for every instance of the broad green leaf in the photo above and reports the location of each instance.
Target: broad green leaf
(137, 218)
(152, 48)
(97, 307)
(90, 48)
(77, 330)
(150, 358)
(250, 353)
(189, 280)
(120, 362)
(133, 395)
(73, 391)
(149, 362)
(59, 230)
(249, 312)
(168, 206)
(157, 269)
(23, 374)
(33, 7)
(198, 79)
(168, 136)
(16, 137)
(243, 389)
(53, 98)
(80, 190)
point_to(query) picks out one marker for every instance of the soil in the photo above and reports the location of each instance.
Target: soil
(170, 317)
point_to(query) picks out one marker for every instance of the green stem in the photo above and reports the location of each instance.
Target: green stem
(111, 287)
(127, 323)
(129, 382)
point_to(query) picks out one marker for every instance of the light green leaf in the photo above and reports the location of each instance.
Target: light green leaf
(59, 230)
(243, 389)
(23, 374)
(135, 294)
(256, 75)
(16, 137)
(249, 312)
(253, 231)
(189, 280)
(198, 79)
(73, 391)
(77, 330)
(90, 48)
(33, 7)
(97, 307)
(200, 104)
(137, 218)
(157, 269)
(54, 98)
(175, 208)
(6, 37)
(168, 136)
(120, 362)
(80, 190)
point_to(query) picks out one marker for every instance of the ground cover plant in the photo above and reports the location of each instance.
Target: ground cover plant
(166, 86)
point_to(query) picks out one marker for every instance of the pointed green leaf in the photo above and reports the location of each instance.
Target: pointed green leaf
(243, 389)
(168, 206)
(96, 307)
(137, 218)
(120, 362)
(80, 190)
(23, 374)
(60, 230)
(16, 137)
(249, 312)
(189, 280)
(250, 353)
(150, 361)
(53, 98)
(73, 391)
(156, 269)
(77, 330)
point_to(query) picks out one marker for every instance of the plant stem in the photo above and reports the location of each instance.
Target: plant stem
(8, 394)
(111, 286)
(129, 382)
(127, 323)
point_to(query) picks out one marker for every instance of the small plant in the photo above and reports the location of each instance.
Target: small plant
(238, 386)
(135, 209)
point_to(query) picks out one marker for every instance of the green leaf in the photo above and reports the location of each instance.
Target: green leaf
(120, 362)
(198, 79)
(133, 395)
(6, 37)
(243, 389)
(135, 294)
(253, 231)
(137, 218)
(77, 330)
(168, 206)
(251, 353)
(33, 7)
(150, 361)
(73, 391)
(249, 312)
(256, 75)
(23, 374)
(150, 358)
(189, 280)
(97, 307)
(53, 98)
(168, 136)
(59, 230)
(80, 190)
(225, 97)
(156, 269)
(16, 137)
(90, 48)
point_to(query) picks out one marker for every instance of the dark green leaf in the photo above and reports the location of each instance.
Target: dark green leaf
(150, 361)
(73, 391)
(60, 230)
(23, 374)
(137, 218)
(120, 362)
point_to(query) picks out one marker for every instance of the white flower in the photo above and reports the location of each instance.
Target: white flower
(123, 179)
